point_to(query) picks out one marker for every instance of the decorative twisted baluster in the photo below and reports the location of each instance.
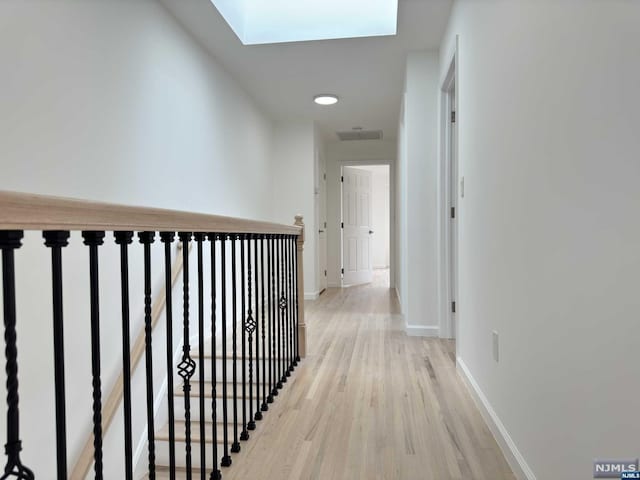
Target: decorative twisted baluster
(289, 318)
(258, 275)
(187, 366)
(93, 240)
(226, 458)
(215, 473)
(264, 407)
(272, 319)
(167, 239)
(282, 305)
(244, 435)
(200, 237)
(250, 326)
(124, 239)
(146, 239)
(10, 241)
(235, 446)
(56, 240)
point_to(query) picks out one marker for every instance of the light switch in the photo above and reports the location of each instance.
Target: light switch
(462, 187)
(496, 346)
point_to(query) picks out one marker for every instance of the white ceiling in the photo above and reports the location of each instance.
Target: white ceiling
(366, 73)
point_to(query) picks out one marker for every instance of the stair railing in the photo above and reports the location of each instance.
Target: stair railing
(256, 300)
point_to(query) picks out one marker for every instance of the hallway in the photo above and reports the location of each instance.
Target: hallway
(369, 402)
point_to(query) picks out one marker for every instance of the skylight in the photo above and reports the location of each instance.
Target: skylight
(275, 21)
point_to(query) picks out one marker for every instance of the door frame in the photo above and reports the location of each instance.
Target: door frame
(392, 213)
(448, 168)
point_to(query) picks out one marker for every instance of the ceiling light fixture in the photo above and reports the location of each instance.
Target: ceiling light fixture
(326, 99)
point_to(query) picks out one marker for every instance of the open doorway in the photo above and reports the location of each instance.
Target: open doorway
(366, 219)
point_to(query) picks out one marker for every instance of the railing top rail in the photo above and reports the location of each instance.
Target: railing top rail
(25, 211)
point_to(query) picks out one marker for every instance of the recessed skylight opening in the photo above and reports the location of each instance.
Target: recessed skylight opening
(276, 21)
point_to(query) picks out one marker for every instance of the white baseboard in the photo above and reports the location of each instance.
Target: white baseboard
(513, 456)
(311, 295)
(421, 331)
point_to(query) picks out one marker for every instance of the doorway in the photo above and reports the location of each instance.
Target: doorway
(451, 189)
(365, 226)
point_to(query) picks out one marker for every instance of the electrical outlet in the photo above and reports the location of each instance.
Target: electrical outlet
(496, 346)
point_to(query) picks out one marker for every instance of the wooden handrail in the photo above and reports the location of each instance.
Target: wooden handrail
(113, 401)
(25, 211)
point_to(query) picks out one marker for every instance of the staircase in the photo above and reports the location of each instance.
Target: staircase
(248, 409)
(216, 396)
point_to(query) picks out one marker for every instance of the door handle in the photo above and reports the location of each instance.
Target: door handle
(370, 232)
(320, 231)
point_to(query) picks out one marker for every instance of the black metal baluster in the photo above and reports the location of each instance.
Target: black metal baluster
(124, 239)
(244, 435)
(272, 320)
(258, 282)
(146, 239)
(295, 305)
(292, 320)
(264, 407)
(56, 240)
(287, 318)
(226, 459)
(250, 326)
(281, 307)
(215, 473)
(235, 447)
(167, 238)
(199, 237)
(187, 366)
(11, 240)
(93, 240)
(287, 246)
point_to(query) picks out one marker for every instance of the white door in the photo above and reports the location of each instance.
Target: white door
(322, 234)
(356, 229)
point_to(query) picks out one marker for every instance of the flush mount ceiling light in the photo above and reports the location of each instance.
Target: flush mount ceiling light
(326, 99)
(275, 21)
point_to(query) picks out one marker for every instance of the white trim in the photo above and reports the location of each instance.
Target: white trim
(422, 331)
(311, 295)
(443, 225)
(333, 285)
(516, 460)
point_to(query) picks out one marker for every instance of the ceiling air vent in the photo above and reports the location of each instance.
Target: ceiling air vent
(360, 135)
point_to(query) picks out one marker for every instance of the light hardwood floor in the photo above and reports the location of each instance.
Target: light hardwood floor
(370, 403)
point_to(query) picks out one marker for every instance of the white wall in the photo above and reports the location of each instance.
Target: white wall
(293, 188)
(112, 101)
(380, 216)
(358, 152)
(549, 238)
(417, 196)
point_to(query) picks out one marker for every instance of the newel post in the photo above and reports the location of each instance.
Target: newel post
(302, 326)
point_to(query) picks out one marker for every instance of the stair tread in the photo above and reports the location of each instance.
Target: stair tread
(180, 436)
(195, 386)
